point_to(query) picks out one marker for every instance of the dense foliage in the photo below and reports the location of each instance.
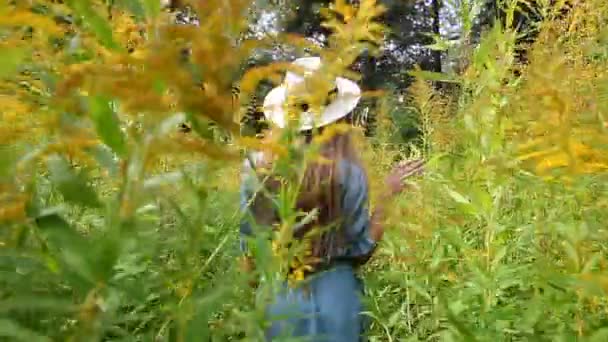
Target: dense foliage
(116, 226)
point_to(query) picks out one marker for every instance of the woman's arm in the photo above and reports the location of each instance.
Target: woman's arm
(395, 185)
(377, 220)
(245, 261)
(247, 266)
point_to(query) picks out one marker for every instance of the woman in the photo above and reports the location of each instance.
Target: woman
(326, 306)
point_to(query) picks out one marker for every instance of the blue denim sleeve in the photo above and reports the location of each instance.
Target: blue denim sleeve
(357, 220)
(245, 224)
(245, 195)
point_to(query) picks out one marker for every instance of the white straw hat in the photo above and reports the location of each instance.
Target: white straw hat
(346, 99)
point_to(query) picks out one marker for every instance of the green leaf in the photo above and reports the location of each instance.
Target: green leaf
(591, 264)
(500, 254)
(457, 306)
(16, 332)
(152, 7)
(134, 6)
(57, 228)
(457, 196)
(10, 59)
(201, 127)
(106, 251)
(572, 254)
(73, 247)
(107, 124)
(458, 325)
(482, 199)
(439, 43)
(73, 186)
(104, 156)
(95, 22)
(464, 203)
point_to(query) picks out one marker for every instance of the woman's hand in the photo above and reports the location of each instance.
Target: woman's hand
(395, 179)
(247, 267)
(395, 184)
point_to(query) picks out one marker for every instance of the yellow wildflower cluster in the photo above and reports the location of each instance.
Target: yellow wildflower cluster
(296, 266)
(436, 122)
(560, 114)
(25, 117)
(12, 205)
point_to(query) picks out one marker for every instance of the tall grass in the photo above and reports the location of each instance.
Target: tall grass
(504, 240)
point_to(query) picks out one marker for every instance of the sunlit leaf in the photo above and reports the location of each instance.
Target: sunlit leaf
(94, 21)
(439, 43)
(107, 124)
(106, 159)
(456, 196)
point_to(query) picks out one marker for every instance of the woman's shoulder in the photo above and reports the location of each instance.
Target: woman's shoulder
(251, 160)
(352, 173)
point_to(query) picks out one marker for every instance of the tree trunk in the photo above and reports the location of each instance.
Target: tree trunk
(436, 30)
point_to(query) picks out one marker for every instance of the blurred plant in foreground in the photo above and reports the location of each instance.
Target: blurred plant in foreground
(98, 242)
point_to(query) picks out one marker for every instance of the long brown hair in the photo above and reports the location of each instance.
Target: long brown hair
(320, 189)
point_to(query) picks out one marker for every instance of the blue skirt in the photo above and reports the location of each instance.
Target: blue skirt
(326, 308)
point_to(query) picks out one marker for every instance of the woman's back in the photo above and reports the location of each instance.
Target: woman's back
(327, 304)
(354, 210)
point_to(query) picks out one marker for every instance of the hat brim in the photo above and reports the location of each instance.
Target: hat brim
(346, 100)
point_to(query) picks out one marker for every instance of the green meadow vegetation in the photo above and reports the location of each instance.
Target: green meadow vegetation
(115, 226)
